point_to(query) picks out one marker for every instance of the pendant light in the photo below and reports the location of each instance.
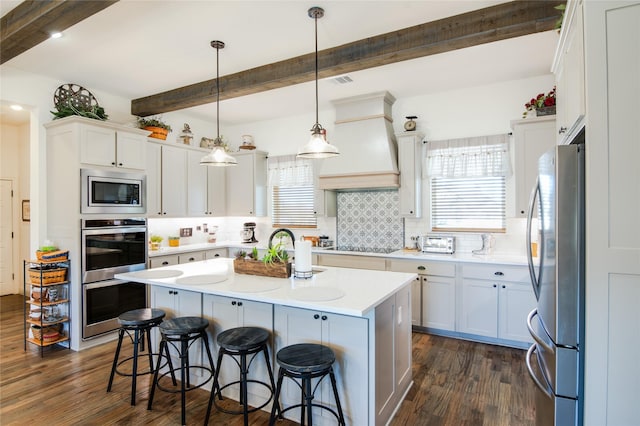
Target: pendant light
(317, 147)
(218, 155)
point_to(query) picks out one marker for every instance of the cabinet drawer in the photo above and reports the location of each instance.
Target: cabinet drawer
(496, 272)
(156, 262)
(357, 262)
(443, 269)
(196, 256)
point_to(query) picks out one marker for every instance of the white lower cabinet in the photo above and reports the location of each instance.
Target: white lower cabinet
(178, 303)
(348, 337)
(352, 261)
(193, 256)
(439, 302)
(495, 301)
(433, 292)
(225, 313)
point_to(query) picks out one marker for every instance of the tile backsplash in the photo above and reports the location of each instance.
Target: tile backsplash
(369, 219)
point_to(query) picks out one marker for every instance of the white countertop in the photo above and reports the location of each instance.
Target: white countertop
(363, 289)
(496, 258)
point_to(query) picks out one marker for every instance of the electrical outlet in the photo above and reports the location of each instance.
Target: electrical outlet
(186, 232)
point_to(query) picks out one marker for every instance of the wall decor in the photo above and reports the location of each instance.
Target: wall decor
(26, 210)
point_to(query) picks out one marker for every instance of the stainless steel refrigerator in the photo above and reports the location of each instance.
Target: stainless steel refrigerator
(555, 360)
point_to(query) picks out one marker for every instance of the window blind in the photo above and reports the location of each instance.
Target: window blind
(292, 192)
(468, 180)
(468, 204)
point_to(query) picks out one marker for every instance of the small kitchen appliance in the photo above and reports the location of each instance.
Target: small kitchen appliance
(437, 244)
(249, 232)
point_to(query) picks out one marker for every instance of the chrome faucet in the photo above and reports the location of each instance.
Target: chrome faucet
(293, 238)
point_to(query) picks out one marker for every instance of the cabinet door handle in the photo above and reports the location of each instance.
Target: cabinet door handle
(234, 303)
(239, 303)
(562, 130)
(495, 285)
(504, 286)
(324, 318)
(421, 268)
(191, 259)
(164, 212)
(499, 273)
(113, 163)
(216, 255)
(165, 263)
(120, 164)
(316, 316)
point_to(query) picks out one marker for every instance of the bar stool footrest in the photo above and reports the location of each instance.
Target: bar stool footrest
(192, 387)
(237, 382)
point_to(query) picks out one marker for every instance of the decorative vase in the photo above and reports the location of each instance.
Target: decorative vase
(157, 132)
(549, 110)
(155, 246)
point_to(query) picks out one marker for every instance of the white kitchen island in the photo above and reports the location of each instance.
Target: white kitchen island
(363, 315)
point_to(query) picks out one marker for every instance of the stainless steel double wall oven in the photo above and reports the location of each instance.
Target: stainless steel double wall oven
(111, 246)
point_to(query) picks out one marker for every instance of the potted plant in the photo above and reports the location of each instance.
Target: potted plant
(274, 263)
(158, 128)
(155, 242)
(543, 104)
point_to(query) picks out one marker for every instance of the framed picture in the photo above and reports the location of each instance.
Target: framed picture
(26, 210)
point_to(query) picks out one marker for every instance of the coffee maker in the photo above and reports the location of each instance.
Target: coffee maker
(249, 232)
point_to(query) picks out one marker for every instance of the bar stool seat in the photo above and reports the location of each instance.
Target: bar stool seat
(306, 361)
(241, 342)
(181, 333)
(140, 322)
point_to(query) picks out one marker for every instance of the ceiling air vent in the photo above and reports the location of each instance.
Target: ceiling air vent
(342, 79)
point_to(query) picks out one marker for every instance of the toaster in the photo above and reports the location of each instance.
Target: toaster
(437, 244)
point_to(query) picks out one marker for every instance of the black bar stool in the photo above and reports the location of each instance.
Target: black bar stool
(140, 322)
(306, 361)
(241, 342)
(181, 333)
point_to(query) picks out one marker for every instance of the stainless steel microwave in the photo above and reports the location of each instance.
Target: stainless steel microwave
(112, 192)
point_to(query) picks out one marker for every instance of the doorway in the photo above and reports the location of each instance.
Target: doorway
(7, 275)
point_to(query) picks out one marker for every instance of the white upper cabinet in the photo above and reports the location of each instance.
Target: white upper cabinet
(166, 181)
(206, 189)
(108, 147)
(410, 155)
(568, 66)
(532, 137)
(247, 184)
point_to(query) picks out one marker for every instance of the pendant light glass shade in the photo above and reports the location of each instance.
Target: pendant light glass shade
(317, 147)
(218, 156)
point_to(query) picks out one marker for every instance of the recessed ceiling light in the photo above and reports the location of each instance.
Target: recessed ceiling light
(16, 107)
(57, 34)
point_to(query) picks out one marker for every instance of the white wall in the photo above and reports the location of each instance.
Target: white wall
(474, 111)
(467, 112)
(14, 160)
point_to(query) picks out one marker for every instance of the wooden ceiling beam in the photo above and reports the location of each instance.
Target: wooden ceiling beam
(31, 22)
(507, 20)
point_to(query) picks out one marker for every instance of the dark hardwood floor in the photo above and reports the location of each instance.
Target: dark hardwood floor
(456, 383)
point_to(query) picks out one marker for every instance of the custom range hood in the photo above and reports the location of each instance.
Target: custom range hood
(368, 150)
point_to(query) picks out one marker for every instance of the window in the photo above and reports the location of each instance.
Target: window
(292, 192)
(468, 179)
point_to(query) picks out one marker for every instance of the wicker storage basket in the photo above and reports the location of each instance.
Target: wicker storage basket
(48, 276)
(47, 331)
(52, 256)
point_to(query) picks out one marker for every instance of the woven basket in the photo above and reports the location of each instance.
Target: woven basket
(47, 331)
(52, 256)
(48, 276)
